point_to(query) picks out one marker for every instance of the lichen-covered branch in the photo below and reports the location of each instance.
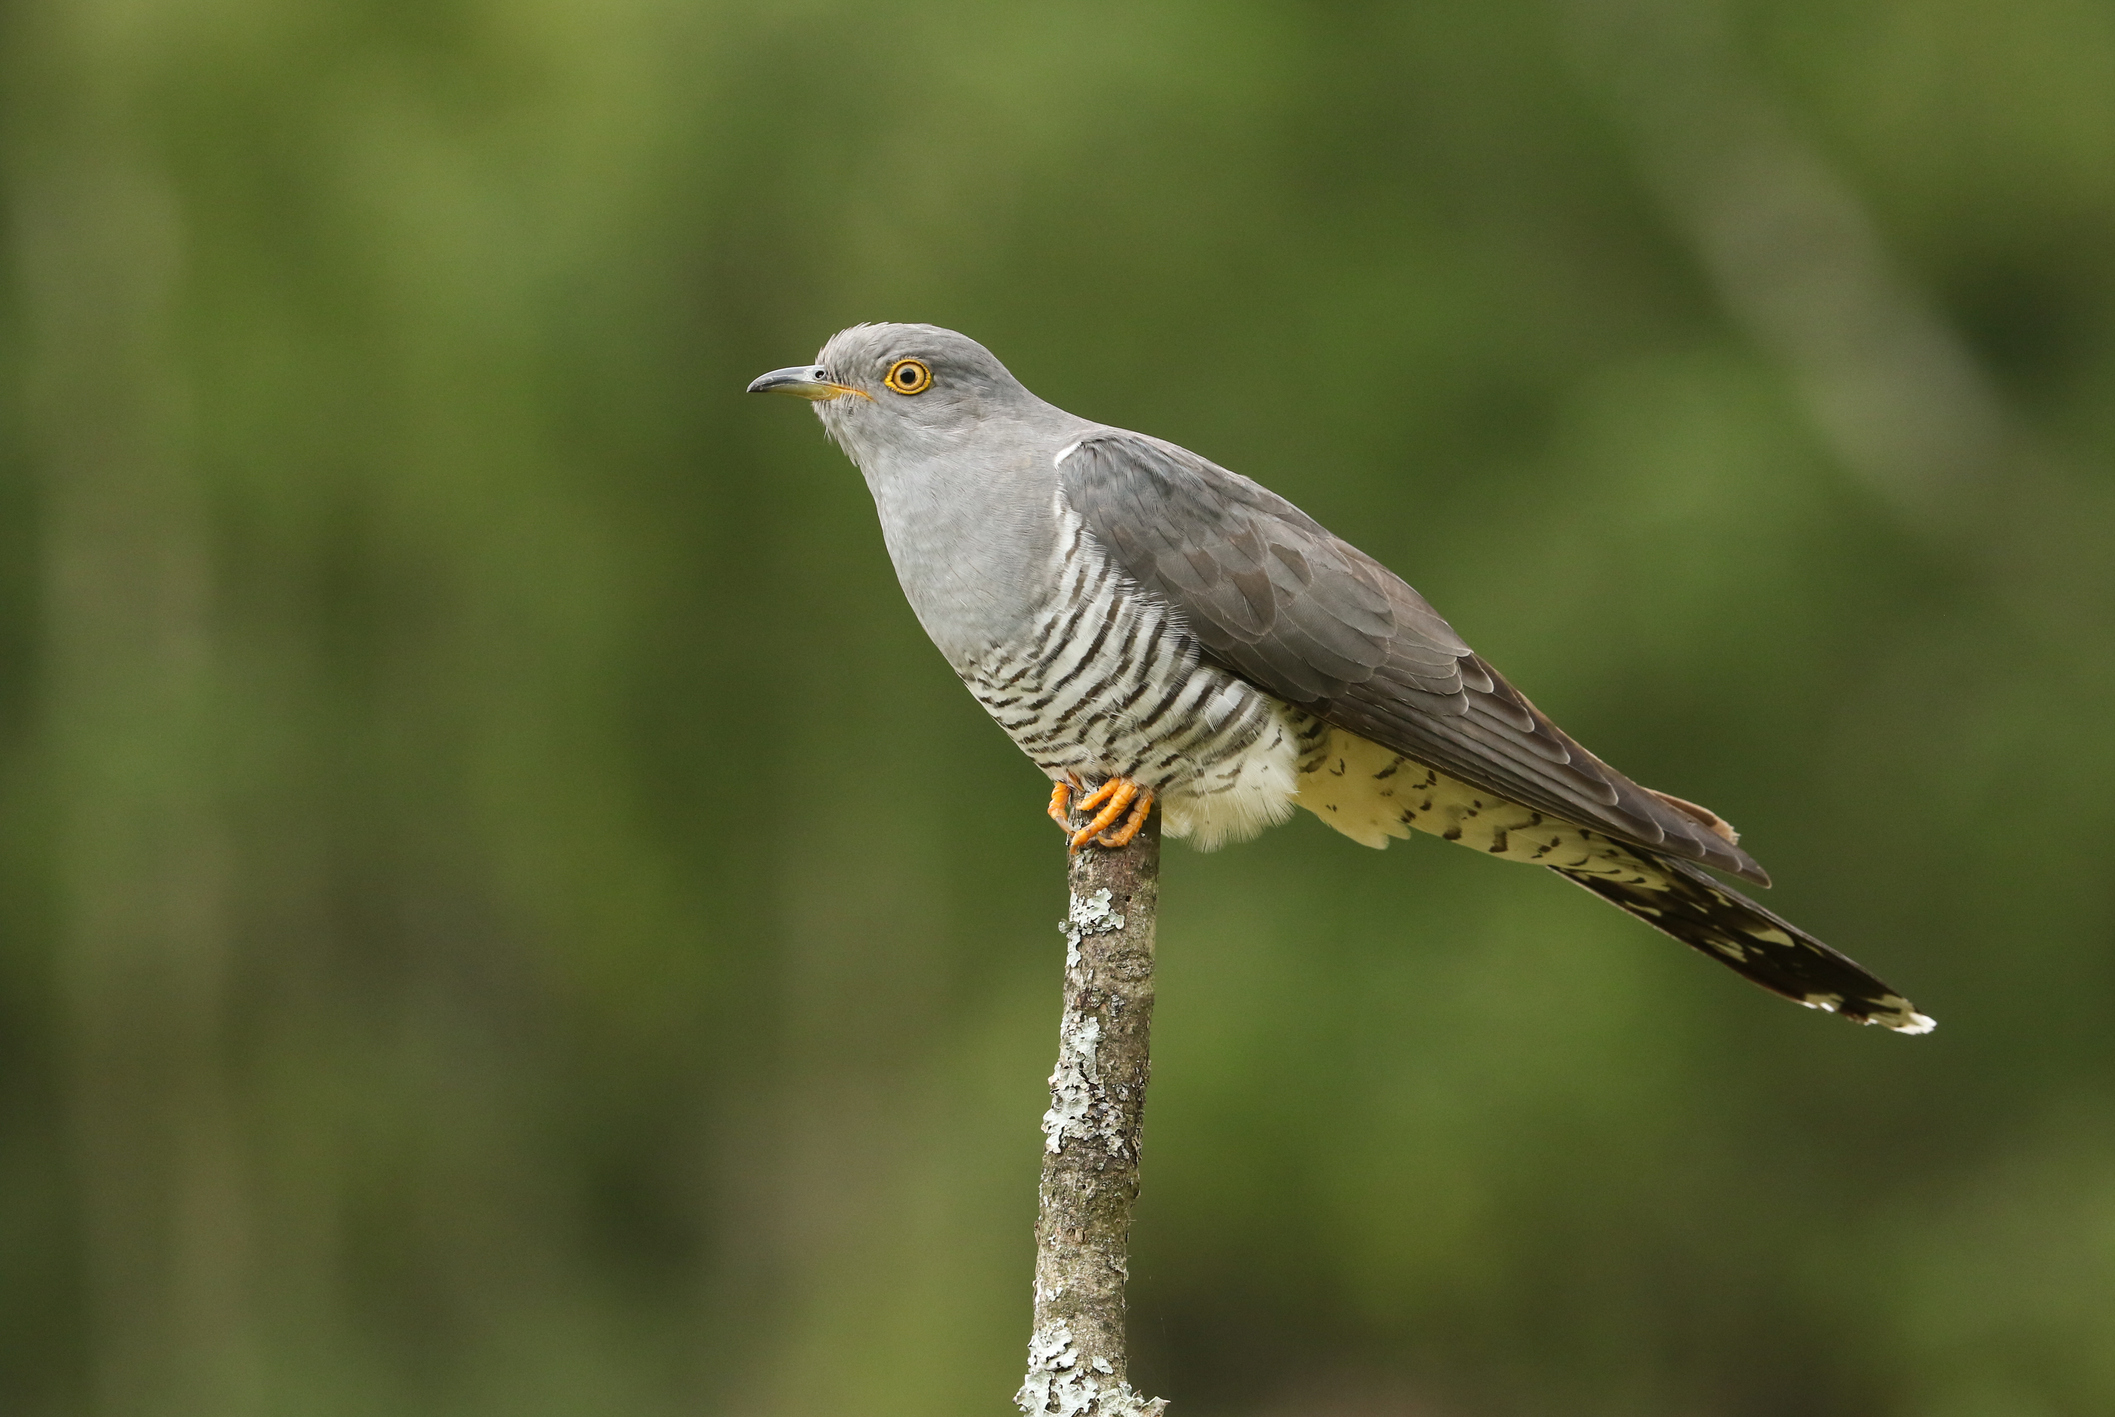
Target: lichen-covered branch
(1076, 1357)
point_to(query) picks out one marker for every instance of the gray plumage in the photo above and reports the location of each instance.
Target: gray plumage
(1127, 609)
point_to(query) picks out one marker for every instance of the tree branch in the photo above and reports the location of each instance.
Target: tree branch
(1077, 1364)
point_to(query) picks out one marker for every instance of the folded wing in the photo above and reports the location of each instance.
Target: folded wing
(1309, 618)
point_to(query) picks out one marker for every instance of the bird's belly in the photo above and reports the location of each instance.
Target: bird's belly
(1235, 794)
(1111, 686)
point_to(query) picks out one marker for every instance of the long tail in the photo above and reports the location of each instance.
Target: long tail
(1681, 900)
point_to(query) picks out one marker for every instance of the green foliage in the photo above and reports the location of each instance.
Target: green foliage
(501, 910)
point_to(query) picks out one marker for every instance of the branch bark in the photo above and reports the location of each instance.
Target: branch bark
(1077, 1364)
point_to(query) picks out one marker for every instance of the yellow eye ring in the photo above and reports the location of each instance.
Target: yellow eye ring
(908, 376)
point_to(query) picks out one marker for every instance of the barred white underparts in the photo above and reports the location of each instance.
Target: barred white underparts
(1109, 684)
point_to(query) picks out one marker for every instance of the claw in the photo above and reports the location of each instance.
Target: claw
(1100, 794)
(1108, 805)
(1133, 824)
(1114, 797)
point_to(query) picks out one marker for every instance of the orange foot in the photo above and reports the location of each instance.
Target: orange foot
(1112, 798)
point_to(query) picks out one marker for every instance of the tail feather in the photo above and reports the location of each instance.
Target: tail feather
(1682, 901)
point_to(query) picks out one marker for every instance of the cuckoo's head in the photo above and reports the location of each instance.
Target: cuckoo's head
(902, 389)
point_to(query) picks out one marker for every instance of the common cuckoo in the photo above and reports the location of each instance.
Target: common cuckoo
(1150, 627)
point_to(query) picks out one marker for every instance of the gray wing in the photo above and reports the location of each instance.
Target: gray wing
(1311, 619)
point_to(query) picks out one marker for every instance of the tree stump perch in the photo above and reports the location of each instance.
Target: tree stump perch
(1077, 1357)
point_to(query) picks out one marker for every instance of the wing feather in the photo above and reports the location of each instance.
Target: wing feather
(1274, 597)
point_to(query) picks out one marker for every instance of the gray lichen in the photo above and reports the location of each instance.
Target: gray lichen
(1059, 1382)
(1078, 1102)
(1074, 1082)
(1092, 915)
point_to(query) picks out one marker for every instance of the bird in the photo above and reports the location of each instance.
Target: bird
(1153, 629)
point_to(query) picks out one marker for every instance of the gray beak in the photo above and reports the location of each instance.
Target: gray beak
(804, 381)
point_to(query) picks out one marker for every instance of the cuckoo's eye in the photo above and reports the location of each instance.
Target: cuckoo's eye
(908, 376)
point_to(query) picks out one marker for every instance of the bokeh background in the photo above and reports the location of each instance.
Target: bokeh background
(502, 912)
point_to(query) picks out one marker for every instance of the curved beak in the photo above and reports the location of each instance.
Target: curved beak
(803, 381)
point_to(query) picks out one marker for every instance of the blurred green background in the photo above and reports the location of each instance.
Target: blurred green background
(502, 912)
